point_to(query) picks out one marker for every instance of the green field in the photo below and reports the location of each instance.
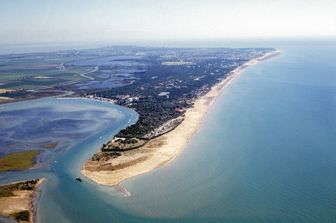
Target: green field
(38, 71)
(18, 160)
(36, 79)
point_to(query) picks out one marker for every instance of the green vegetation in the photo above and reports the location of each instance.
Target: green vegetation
(159, 93)
(22, 216)
(7, 190)
(40, 70)
(123, 144)
(18, 160)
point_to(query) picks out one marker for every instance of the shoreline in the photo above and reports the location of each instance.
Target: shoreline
(21, 200)
(165, 148)
(36, 195)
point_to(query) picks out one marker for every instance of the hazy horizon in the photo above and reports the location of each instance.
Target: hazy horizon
(202, 43)
(127, 22)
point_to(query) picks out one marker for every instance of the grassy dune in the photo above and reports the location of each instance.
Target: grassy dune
(18, 160)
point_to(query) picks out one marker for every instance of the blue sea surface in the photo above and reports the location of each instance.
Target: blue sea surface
(266, 152)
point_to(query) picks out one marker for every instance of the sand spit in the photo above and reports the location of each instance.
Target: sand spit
(165, 148)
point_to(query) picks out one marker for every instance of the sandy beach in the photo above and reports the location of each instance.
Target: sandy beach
(21, 201)
(17, 203)
(165, 148)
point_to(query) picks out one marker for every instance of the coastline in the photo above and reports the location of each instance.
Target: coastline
(163, 149)
(22, 200)
(36, 195)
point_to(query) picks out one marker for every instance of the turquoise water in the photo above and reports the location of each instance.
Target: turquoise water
(266, 152)
(89, 124)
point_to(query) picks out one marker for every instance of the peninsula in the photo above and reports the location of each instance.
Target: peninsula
(141, 147)
(170, 88)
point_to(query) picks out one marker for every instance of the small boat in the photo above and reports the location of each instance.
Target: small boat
(79, 179)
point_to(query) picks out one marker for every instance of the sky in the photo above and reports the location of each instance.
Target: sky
(39, 21)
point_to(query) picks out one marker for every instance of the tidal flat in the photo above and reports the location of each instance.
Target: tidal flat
(34, 131)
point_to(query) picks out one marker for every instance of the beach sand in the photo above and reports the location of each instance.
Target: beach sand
(165, 148)
(21, 201)
(17, 203)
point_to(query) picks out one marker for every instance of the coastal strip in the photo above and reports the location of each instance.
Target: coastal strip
(162, 149)
(17, 200)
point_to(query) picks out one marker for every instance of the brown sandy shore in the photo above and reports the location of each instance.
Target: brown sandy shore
(165, 148)
(21, 200)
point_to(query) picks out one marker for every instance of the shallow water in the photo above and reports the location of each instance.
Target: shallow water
(32, 124)
(265, 153)
(64, 163)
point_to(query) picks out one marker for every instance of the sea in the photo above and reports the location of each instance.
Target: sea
(265, 152)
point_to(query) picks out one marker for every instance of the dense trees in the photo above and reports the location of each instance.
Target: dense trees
(160, 92)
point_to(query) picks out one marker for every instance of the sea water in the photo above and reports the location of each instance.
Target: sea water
(266, 152)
